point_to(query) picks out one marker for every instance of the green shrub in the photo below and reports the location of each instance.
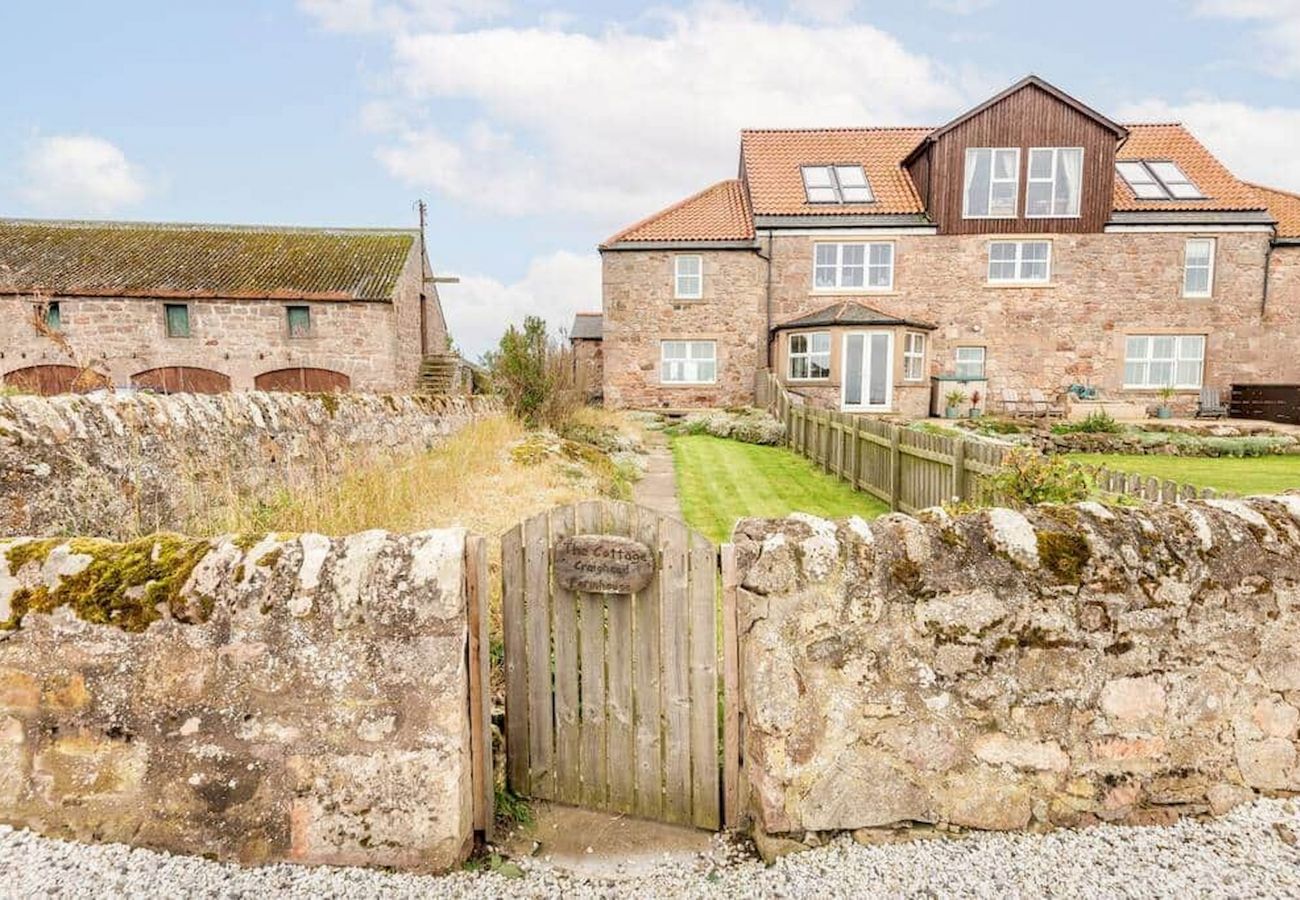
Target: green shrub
(997, 426)
(534, 374)
(1028, 478)
(1099, 422)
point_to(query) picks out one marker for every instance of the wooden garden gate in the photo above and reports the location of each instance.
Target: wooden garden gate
(610, 616)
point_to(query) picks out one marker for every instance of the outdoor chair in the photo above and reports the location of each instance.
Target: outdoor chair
(1042, 406)
(1011, 405)
(1211, 406)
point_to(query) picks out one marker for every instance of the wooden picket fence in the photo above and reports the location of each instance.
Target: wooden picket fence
(912, 470)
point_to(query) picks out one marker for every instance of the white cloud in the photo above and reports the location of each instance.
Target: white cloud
(824, 10)
(79, 175)
(615, 124)
(1279, 28)
(479, 308)
(1257, 143)
(394, 15)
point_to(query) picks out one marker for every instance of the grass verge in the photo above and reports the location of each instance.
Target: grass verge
(720, 481)
(1260, 475)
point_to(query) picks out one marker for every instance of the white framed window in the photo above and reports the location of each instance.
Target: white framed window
(1164, 360)
(1020, 262)
(968, 362)
(1198, 267)
(688, 277)
(810, 356)
(688, 362)
(867, 266)
(1158, 179)
(913, 356)
(836, 184)
(991, 183)
(1054, 188)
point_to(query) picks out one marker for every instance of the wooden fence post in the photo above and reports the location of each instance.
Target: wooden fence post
(855, 448)
(959, 470)
(731, 753)
(480, 701)
(895, 469)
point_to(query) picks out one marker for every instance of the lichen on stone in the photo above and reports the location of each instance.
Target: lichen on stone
(1064, 554)
(124, 585)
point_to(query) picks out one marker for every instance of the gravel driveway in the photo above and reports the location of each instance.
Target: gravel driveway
(1250, 853)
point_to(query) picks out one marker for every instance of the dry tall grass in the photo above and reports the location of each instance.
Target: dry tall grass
(470, 480)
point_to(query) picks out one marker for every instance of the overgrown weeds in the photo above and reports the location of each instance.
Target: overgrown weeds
(1028, 478)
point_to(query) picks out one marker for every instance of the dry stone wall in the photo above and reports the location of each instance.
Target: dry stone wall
(1005, 671)
(120, 465)
(273, 698)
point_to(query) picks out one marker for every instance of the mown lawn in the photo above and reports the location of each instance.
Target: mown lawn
(720, 481)
(1254, 475)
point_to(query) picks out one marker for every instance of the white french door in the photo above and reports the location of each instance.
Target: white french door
(868, 361)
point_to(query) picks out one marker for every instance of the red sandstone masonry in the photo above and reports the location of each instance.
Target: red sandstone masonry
(1103, 286)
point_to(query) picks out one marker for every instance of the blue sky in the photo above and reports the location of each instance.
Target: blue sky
(536, 129)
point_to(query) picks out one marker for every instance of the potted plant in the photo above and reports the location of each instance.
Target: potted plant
(954, 399)
(1164, 410)
(975, 411)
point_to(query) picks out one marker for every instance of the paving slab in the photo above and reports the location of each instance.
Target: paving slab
(613, 846)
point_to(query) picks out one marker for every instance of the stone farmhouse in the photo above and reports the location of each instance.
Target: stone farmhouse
(1030, 243)
(211, 308)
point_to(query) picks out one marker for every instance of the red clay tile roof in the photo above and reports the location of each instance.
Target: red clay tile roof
(772, 159)
(717, 213)
(1222, 189)
(126, 259)
(1285, 207)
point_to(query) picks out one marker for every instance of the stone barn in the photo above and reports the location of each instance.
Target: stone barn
(212, 308)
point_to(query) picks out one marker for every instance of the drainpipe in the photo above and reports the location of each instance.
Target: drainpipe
(1268, 264)
(767, 331)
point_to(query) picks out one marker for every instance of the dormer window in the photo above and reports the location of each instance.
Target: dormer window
(992, 182)
(1158, 179)
(1055, 184)
(836, 184)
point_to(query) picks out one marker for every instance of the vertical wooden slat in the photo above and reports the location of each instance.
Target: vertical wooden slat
(674, 629)
(541, 713)
(590, 520)
(645, 680)
(731, 801)
(564, 614)
(620, 748)
(895, 470)
(480, 700)
(514, 628)
(705, 796)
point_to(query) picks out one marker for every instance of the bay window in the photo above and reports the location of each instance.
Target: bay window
(688, 362)
(810, 356)
(913, 356)
(1164, 360)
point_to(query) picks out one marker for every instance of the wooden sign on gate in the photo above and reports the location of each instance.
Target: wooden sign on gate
(603, 564)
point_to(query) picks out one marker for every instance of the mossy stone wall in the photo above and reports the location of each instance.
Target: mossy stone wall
(120, 466)
(1007, 670)
(264, 698)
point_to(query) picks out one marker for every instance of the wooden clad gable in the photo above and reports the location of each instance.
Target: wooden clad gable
(1031, 114)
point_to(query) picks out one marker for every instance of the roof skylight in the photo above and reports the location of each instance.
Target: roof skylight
(1153, 179)
(836, 184)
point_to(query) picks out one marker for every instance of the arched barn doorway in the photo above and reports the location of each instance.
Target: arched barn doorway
(303, 379)
(182, 380)
(53, 379)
